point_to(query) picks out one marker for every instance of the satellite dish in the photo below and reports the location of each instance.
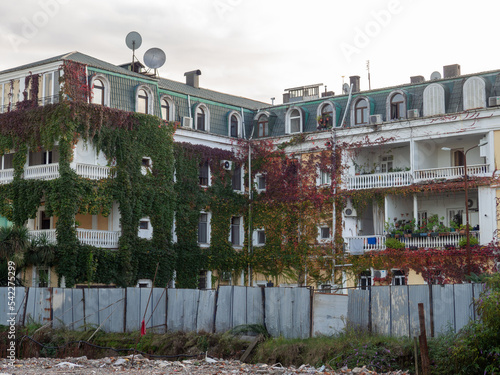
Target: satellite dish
(154, 58)
(345, 88)
(435, 75)
(133, 40)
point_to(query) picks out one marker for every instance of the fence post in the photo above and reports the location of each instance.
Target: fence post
(431, 310)
(215, 309)
(125, 312)
(370, 309)
(424, 350)
(311, 312)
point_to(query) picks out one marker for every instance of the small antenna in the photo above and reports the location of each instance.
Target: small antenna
(272, 101)
(133, 41)
(368, 68)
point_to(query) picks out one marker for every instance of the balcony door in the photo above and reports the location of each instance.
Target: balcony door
(458, 157)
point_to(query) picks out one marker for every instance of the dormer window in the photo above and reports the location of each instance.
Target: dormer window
(167, 107)
(263, 126)
(98, 92)
(474, 93)
(361, 112)
(293, 121)
(142, 102)
(202, 118)
(165, 110)
(235, 125)
(397, 106)
(326, 115)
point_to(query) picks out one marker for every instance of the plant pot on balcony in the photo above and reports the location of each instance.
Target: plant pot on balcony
(434, 234)
(423, 234)
(415, 234)
(444, 234)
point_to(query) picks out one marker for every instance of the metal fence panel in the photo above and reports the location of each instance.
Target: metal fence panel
(239, 306)
(357, 308)
(418, 294)
(16, 307)
(159, 314)
(286, 312)
(111, 306)
(272, 309)
(399, 311)
(464, 307)
(443, 302)
(329, 313)
(255, 310)
(91, 308)
(224, 317)
(206, 309)
(301, 313)
(381, 310)
(133, 306)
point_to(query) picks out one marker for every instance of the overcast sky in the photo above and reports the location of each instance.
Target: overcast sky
(259, 48)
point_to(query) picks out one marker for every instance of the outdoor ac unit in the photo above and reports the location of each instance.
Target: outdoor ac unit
(413, 113)
(379, 273)
(375, 119)
(472, 203)
(349, 212)
(493, 101)
(226, 164)
(187, 122)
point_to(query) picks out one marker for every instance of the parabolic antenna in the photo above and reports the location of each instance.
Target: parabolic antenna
(154, 58)
(435, 75)
(133, 40)
(345, 88)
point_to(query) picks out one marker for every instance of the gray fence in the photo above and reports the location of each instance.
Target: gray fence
(393, 310)
(287, 312)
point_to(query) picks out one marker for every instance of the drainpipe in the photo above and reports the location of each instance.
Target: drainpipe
(189, 105)
(250, 196)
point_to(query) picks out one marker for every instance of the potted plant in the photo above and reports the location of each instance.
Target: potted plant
(324, 121)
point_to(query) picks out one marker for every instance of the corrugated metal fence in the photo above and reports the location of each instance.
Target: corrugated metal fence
(393, 310)
(287, 312)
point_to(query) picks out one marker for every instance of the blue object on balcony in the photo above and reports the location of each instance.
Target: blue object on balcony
(372, 240)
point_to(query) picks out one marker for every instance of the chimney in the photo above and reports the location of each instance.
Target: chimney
(192, 78)
(451, 70)
(417, 79)
(355, 83)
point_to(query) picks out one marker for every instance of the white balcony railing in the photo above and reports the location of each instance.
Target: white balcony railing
(6, 176)
(451, 172)
(379, 180)
(98, 238)
(42, 172)
(360, 244)
(94, 172)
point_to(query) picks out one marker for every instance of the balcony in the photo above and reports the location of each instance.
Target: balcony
(359, 244)
(406, 178)
(98, 238)
(51, 171)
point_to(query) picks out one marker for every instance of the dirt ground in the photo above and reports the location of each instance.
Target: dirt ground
(142, 366)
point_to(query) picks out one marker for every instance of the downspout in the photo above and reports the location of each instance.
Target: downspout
(189, 105)
(250, 196)
(242, 122)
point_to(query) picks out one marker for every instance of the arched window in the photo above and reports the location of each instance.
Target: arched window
(474, 93)
(361, 112)
(165, 110)
(167, 107)
(262, 126)
(326, 115)
(98, 92)
(235, 124)
(434, 100)
(142, 102)
(397, 107)
(200, 119)
(293, 121)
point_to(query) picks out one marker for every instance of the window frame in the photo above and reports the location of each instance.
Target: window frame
(207, 229)
(236, 229)
(206, 112)
(208, 177)
(396, 111)
(256, 239)
(171, 107)
(320, 112)
(261, 118)
(355, 109)
(289, 118)
(149, 99)
(239, 124)
(258, 177)
(105, 101)
(234, 176)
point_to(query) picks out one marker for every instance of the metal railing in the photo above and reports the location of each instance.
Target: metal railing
(42, 172)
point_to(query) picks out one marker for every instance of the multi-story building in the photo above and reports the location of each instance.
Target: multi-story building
(181, 193)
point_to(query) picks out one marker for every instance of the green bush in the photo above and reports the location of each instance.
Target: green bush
(472, 241)
(393, 243)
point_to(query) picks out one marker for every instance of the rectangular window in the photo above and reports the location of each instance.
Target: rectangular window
(42, 276)
(235, 231)
(398, 278)
(203, 229)
(144, 225)
(8, 161)
(261, 182)
(325, 233)
(261, 237)
(43, 157)
(203, 176)
(386, 164)
(365, 280)
(236, 178)
(325, 178)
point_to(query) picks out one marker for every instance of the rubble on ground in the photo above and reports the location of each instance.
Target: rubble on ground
(142, 366)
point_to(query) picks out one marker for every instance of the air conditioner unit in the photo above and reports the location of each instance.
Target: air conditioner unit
(379, 273)
(375, 119)
(472, 203)
(350, 212)
(226, 164)
(413, 113)
(187, 122)
(493, 101)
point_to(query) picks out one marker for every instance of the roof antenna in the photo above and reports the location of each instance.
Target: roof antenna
(133, 41)
(272, 101)
(368, 68)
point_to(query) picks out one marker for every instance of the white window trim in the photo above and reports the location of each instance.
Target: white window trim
(475, 96)
(319, 178)
(334, 111)
(241, 230)
(324, 240)
(240, 123)
(209, 229)
(35, 279)
(145, 233)
(209, 177)
(288, 124)
(207, 117)
(388, 102)
(107, 86)
(255, 131)
(256, 182)
(353, 111)
(149, 93)
(171, 104)
(255, 237)
(242, 178)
